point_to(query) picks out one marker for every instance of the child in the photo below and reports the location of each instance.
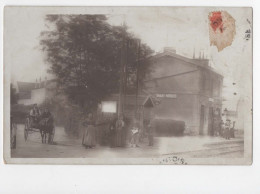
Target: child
(150, 131)
(134, 137)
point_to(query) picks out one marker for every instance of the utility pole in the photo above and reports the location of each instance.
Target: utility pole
(122, 68)
(125, 73)
(137, 76)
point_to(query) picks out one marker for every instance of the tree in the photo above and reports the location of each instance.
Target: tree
(84, 53)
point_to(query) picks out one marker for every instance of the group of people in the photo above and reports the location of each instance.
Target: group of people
(40, 117)
(119, 133)
(224, 129)
(228, 131)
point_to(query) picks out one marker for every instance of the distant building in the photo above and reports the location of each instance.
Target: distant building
(179, 89)
(37, 92)
(241, 109)
(189, 90)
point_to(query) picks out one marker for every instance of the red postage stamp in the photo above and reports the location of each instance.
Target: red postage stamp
(222, 29)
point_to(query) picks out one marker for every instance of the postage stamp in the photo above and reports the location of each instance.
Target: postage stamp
(222, 29)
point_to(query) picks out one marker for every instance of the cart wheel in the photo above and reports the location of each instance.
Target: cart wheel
(26, 129)
(13, 136)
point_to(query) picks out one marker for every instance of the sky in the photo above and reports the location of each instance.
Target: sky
(185, 29)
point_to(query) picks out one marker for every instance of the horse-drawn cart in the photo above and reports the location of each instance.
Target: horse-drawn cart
(44, 127)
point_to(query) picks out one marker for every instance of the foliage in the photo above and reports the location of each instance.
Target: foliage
(85, 53)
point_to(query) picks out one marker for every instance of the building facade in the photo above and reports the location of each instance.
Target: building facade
(35, 93)
(189, 90)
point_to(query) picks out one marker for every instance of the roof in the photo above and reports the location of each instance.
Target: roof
(148, 102)
(29, 86)
(25, 88)
(203, 63)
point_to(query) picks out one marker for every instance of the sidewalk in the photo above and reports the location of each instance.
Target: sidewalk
(162, 146)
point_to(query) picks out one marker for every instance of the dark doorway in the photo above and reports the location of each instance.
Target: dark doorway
(201, 119)
(210, 122)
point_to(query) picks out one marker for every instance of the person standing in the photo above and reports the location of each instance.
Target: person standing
(112, 133)
(222, 128)
(150, 132)
(35, 115)
(227, 129)
(134, 136)
(123, 133)
(120, 124)
(89, 136)
(215, 127)
(232, 130)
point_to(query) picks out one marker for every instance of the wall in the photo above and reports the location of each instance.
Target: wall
(185, 83)
(25, 101)
(186, 86)
(193, 86)
(38, 95)
(181, 108)
(167, 65)
(210, 83)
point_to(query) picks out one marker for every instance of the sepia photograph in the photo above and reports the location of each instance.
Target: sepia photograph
(128, 85)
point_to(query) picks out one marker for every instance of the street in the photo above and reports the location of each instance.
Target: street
(185, 146)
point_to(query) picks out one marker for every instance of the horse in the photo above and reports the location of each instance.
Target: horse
(46, 128)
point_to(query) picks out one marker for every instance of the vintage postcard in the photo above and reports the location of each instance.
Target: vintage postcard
(128, 85)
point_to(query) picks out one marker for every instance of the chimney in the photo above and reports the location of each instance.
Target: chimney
(169, 49)
(194, 53)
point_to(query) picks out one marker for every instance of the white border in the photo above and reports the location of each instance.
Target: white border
(138, 179)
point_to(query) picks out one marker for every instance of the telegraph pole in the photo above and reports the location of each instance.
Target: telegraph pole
(137, 76)
(122, 73)
(125, 73)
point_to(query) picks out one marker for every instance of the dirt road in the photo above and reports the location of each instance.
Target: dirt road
(67, 147)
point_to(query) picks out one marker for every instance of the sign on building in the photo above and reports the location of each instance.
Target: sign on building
(109, 106)
(211, 100)
(166, 95)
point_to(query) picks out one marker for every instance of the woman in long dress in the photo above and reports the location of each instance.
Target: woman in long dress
(89, 136)
(112, 133)
(119, 130)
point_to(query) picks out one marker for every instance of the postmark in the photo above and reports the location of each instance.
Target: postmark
(173, 160)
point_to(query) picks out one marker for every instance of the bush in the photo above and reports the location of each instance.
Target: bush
(19, 112)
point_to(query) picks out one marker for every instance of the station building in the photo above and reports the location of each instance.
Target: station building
(188, 89)
(177, 88)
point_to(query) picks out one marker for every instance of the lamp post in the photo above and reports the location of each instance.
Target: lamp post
(225, 112)
(137, 76)
(122, 73)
